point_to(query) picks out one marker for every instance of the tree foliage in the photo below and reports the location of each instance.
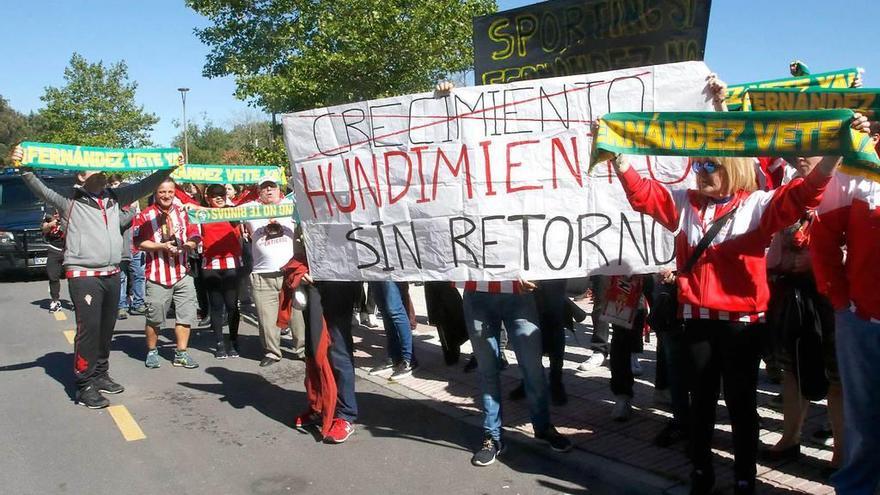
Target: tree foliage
(245, 143)
(298, 54)
(14, 128)
(206, 143)
(95, 107)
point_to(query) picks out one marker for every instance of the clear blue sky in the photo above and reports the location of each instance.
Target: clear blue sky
(748, 40)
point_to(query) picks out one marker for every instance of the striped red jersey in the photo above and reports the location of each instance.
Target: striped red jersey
(162, 267)
(502, 287)
(90, 273)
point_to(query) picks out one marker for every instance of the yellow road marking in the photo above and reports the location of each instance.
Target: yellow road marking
(60, 316)
(126, 423)
(70, 334)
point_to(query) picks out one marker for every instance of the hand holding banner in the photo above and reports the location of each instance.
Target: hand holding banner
(70, 157)
(485, 183)
(228, 174)
(240, 213)
(835, 79)
(807, 133)
(863, 100)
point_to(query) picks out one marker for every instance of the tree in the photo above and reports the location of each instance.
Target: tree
(299, 54)
(243, 144)
(14, 128)
(95, 107)
(206, 142)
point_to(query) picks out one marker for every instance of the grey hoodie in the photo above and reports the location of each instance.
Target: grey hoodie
(93, 239)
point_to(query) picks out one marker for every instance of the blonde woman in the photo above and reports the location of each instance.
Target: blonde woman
(723, 294)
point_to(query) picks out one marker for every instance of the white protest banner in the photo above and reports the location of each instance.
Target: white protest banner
(486, 183)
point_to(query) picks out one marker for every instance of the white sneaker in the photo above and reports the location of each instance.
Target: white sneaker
(622, 408)
(636, 367)
(595, 361)
(367, 320)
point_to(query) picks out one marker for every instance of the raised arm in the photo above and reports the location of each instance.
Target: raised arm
(789, 202)
(718, 89)
(49, 196)
(134, 192)
(647, 196)
(184, 198)
(129, 194)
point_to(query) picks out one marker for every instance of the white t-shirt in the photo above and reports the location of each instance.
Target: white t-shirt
(270, 255)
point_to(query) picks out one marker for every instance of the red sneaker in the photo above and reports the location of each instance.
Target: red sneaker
(307, 418)
(339, 432)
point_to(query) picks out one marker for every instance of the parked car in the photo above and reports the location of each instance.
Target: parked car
(22, 246)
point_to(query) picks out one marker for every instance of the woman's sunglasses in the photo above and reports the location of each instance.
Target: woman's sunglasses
(707, 166)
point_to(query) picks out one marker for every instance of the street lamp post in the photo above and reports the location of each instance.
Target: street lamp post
(185, 136)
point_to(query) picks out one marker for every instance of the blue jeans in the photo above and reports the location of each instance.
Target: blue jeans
(484, 313)
(858, 351)
(123, 288)
(138, 279)
(398, 333)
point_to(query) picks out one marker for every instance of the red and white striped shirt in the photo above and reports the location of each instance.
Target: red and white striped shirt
(502, 287)
(162, 267)
(691, 312)
(90, 273)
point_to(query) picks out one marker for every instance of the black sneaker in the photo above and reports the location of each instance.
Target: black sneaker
(385, 365)
(90, 397)
(744, 487)
(233, 349)
(106, 385)
(220, 351)
(670, 435)
(402, 370)
(471, 365)
(518, 393)
(702, 482)
(822, 434)
(558, 396)
(490, 450)
(558, 442)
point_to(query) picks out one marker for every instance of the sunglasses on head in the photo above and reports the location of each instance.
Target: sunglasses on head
(707, 166)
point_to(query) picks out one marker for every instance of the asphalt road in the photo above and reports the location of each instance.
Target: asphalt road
(224, 428)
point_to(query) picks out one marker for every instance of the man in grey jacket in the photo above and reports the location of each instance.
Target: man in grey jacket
(92, 254)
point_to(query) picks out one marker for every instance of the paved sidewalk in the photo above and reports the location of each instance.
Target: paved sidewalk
(618, 449)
